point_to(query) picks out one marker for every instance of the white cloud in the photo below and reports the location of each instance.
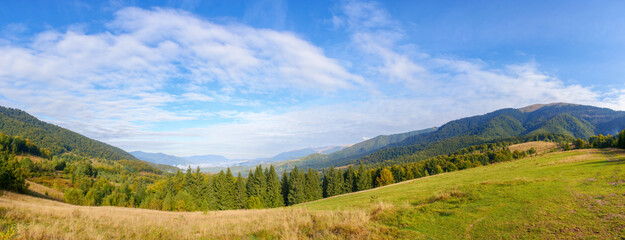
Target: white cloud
(106, 84)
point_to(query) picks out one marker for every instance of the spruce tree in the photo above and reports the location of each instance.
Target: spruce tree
(349, 183)
(363, 181)
(240, 193)
(284, 188)
(339, 183)
(327, 182)
(230, 189)
(274, 191)
(296, 187)
(189, 184)
(313, 189)
(207, 194)
(222, 191)
(257, 185)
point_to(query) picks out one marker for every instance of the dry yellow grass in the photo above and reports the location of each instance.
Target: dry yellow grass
(540, 146)
(37, 218)
(44, 191)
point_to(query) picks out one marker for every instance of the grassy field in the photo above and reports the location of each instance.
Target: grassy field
(540, 147)
(574, 194)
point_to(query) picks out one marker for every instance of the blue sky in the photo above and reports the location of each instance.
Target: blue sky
(249, 79)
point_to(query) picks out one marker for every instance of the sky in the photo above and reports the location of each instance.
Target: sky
(248, 79)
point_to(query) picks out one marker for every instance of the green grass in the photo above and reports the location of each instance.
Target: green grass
(574, 194)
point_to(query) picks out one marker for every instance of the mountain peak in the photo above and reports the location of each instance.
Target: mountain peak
(535, 107)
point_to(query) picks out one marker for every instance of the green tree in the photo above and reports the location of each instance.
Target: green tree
(579, 143)
(189, 184)
(73, 196)
(274, 191)
(296, 187)
(332, 182)
(312, 186)
(253, 202)
(240, 194)
(284, 188)
(363, 181)
(183, 201)
(349, 183)
(223, 191)
(438, 169)
(257, 185)
(385, 177)
(12, 177)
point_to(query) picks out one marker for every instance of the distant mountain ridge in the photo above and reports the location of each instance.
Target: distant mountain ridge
(221, 161)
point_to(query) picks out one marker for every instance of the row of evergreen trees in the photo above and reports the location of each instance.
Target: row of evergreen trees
(262, 188)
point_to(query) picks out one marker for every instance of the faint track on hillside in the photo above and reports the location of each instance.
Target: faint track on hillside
(467, 235)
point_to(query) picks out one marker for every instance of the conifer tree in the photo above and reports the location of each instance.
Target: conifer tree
(207, 194)
(240, 194)
(257, 185)
(178, 181)
(312, 188)
(349, 183)
(363, 181)
(189, 184)
(230, 189)
(327, 182)
(223, 197)
(338, 187)
(284, 188)
(198, 179)
(296, 187)
(274, 191)
(170, 187)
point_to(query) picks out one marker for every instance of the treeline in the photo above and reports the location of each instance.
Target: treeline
(601, 141)
(409, 154)
(17, 145)
(195, 191)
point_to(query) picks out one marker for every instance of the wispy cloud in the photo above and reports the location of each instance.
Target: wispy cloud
(102, 84)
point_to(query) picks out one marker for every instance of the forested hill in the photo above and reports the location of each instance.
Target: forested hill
(574, 121)
(538, 121)
(15, 122)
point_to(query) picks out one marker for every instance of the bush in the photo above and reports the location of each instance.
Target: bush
(74, 196)
(12, 176)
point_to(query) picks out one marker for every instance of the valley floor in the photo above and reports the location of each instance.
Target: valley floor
(573, 194)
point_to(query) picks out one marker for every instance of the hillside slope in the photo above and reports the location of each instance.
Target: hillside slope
(574, 194)
(15, 122)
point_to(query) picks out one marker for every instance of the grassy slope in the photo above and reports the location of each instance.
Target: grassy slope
(575, 194)
(559, 195)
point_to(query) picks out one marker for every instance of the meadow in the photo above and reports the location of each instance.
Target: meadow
(571, 194)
